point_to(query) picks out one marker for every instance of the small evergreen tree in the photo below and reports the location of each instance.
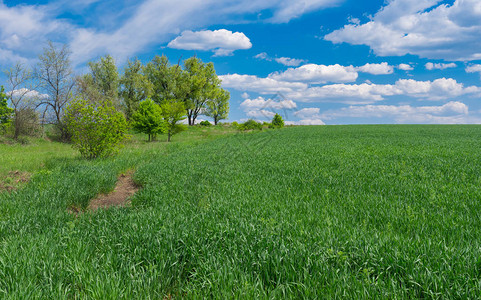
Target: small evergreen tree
(148, 119)
(277, 121)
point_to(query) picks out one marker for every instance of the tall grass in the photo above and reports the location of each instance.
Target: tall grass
(304, 212)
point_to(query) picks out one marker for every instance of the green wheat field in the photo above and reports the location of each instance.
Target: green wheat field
(322, 212)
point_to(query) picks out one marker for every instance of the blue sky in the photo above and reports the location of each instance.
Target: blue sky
(313, 61)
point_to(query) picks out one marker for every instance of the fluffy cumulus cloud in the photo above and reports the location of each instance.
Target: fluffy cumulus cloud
(253, 83)
(474, 69)
(376, 69)
(316, 74)
(439, 66)
(450, 113)
(420, 27)
(405, 67)
(222, 42)
(262, 103)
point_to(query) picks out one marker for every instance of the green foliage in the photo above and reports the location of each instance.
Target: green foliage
(250, 125)
(235, 124)
(135, 87)
(165, 79)
(218, 105)
(148, 119)
(173, 112)
(95, 131)
(277, 122)
(205, 123)
(5, 111)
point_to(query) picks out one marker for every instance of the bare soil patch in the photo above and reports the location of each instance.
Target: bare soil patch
(124, 189)
(13, 180)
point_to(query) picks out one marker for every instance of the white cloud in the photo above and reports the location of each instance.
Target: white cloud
(291, 62)
(428, 28)
(307, 112)
(439, 66)
(222, 42)
(376, 69)
(474, 69)
(311, 122)
(405, 67)
(260, 114)
(260, 85)
(450, 113)
(262, 103)
(245, 95)
(262, 56)
(313, 73)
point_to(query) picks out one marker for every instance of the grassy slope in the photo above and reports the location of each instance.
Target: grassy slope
(347, 211)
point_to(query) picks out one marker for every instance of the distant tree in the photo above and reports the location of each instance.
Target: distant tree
(173, 112)
(250, 125)
(96, 131)
(23, 98)
(163, 78)
(134, 87)
(55, 76)
(105, 78)
(205, 123)
(277, 121)
(203, 83)
(218, 107)
(148, 119)
(5, 111)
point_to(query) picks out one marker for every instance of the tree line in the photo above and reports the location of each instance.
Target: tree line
(152, 98)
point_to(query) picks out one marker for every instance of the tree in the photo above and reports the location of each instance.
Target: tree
(173, 112)
(203, 82)
(134, 87)
(23, 98)
(162, 76)
(96, 131)
(105, 78)
(148, 119)
(56, 78)
(277, 121)
(218, 106)
(5, 111)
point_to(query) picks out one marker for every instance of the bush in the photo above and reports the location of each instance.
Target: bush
(277, 122)
(205, 123)
(96, 131)
(250, 125)
(235, 124)
(148, 119)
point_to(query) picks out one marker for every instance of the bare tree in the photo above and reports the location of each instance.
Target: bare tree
(23, 97)
(56, 78)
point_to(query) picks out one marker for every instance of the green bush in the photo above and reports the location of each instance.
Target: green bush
(96, 131)
(148, 119)
(205, 123)
(277, 122)
(250, 125)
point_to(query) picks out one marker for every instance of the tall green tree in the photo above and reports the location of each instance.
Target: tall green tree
(134, 87)
(203, 82)
(277, 121)
(148, 119)
(103, 81)
(173, 112)
(5, 111)
(218, 107)
(162, 76)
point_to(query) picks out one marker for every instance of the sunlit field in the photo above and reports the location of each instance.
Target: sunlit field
(301, 212)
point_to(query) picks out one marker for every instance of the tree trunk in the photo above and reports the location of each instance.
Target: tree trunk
(168, 136)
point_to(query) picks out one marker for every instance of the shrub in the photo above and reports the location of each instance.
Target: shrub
(205, 123)
(235, 124)
(250, 125)
(96, 131)
(277, 122)
(148, 119)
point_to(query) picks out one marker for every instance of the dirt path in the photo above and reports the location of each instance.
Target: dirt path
(124, 189)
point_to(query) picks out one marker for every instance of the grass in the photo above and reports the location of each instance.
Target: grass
(303, 212)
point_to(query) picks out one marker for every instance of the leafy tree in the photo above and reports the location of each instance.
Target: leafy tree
(134, 87)
(5, 111)
(218, 106)
(205, 123)
(163, 78)
(277, 122)
(173, 112)
(203, 83)
(148, 119)
(55, 75)
(96, 131)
